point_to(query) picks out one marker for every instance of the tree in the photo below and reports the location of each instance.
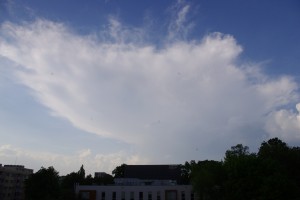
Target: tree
(273, 149)
(69, 181)
(242, 173)
(44, 184)
(280, 170)
(81, 174)
(186, 169)
(272, 174)
(89, 180)
(207, 178)
(68, 186)
(236, 151)
(119, 171)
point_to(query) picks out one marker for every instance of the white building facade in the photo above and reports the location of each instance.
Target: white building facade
(141, 182)
(138, 192)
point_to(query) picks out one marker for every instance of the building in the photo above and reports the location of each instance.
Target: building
(142, 192)
(100, 174)
(12, 181)
(141, 182)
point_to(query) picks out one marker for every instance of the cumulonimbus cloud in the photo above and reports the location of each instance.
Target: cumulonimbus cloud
(179, 97)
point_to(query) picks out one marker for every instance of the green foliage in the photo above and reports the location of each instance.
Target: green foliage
(186, 170)
(273, 149)
(242, 176)
(237, 151)
(47, 185)
(272, 173)
(119, 171)
(44, 184)
(70, 180)
(81, 173)
(280, 168)
(207, 177)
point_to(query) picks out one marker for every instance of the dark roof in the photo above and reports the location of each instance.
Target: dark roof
(152, 172)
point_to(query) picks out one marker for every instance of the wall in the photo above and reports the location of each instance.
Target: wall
(176, 192)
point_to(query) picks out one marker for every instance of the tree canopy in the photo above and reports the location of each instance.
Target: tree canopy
(118, 172)
(272, 173)
(43, 184)
(46, 184)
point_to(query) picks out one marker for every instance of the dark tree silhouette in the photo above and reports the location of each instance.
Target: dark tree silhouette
(43, 184)
(69, 182)
(279, 170)
(207, 178)
(118, 172)
(273, 173)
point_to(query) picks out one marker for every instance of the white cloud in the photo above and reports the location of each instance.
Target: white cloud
(169, 103)
(278, 92)
(285, 124)
(66, 164)
(121, 34)
(84, 153)
(179, 26)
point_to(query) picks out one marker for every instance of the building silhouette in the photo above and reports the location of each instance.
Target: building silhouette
(12, 179)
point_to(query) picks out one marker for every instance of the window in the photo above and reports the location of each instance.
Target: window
(192, 196)
(182, 195)
(149, 196)
(103, 196)
(114, 196)
(141, 196)
(85, 195)
(171, 194)
(158, 195)
(131, 195)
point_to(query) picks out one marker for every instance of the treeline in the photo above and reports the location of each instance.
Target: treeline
(46, 184)
(273, 173)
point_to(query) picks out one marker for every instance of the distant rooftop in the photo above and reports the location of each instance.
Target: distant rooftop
(152, 172)
(15, 168)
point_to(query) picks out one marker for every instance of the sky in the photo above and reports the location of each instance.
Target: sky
(106, 82)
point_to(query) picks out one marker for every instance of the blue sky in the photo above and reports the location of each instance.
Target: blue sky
(102, 83)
